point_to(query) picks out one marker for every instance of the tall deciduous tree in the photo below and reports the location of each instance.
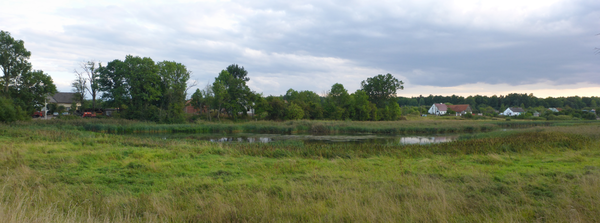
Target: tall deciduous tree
(238, 72)
(381, 88)
(133, 83)
(31, 89)
(13, 60)
(339, 103)
(174, 77)
(91, 71)
(239, 95)
(80, 87)
(197, 101)
(112, 82)
(220, 92)
(361, 106)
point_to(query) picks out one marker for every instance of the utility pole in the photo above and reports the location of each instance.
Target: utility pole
(46, 108)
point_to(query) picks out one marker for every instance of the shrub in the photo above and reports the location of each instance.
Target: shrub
(294, 112)
(9, 112)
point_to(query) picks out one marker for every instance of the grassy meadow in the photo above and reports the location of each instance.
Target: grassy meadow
(74, 171)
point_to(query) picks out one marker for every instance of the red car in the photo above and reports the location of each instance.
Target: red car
(38, 114)
(88, 114)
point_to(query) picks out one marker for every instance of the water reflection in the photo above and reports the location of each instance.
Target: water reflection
(426, 140)
(241, 139)
(376, 139)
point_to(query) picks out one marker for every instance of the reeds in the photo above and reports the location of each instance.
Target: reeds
(301, 127)
(68, 174)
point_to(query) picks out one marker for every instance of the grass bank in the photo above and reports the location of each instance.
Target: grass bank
(68, 174)
(304, 126)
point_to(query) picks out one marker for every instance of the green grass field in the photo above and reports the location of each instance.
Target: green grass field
(62, 171)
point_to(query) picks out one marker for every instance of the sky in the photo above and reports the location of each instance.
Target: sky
(445, 47)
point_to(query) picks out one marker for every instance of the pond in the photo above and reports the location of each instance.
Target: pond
(337, 138)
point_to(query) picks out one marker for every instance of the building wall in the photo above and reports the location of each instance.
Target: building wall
(435, 111)
(509, 112)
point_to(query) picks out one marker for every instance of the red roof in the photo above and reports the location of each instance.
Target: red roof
(458, 108)
(441, 107)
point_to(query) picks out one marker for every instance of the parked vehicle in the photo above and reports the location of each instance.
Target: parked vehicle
(88, 114)
(38, 114)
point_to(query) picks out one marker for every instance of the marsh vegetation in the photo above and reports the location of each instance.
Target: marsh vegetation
(66, 171)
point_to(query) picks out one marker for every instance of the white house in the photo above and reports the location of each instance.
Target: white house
(438, 109)
(514, 111)
(555, 109)
(442, 109)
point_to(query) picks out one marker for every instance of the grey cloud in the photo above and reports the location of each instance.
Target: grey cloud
(410, 39)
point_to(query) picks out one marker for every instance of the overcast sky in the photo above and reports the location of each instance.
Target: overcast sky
(467, 47)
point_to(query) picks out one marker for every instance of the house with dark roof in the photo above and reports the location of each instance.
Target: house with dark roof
(442, 109)
(513, 111)
(62, 98)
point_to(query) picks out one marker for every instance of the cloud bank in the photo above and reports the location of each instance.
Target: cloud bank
(433, 46)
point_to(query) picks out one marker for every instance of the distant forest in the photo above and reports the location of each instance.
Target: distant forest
(504, 101)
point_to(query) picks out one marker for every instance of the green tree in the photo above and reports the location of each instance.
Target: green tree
(134, 85)
(381, 88)
(197, 100)
(471, 101)
(220, 92)
(293, 112)
(60, 109)
(79, 86)
(173, 79)
(31, 89)
(113, 84)
(144, 87)
(275, 108)
(238, 94)
(238, 72)
(338, 103)
(261, 107)
(209, 98)
(361, 105)
(73, 108)
(9, 112)
(90, 70)
(374, 112)
(13, 60)
(394, 111)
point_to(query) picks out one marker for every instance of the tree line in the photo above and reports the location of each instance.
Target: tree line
(230, 94)
(23, 90)
(140, 88)
(483, 104)
(137, 86)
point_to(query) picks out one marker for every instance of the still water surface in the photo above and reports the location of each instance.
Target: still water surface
(361, 138)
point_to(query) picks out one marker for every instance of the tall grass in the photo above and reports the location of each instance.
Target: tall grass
(121, 126)
(319, 127)
(56, 174)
